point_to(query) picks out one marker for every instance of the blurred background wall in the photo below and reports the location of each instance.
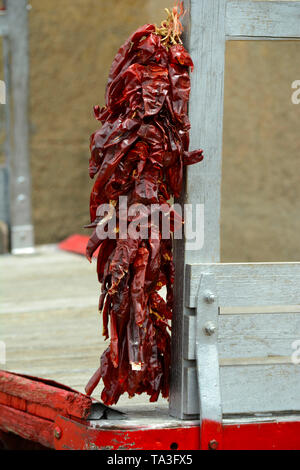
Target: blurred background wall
(261, 159)
(72, 44)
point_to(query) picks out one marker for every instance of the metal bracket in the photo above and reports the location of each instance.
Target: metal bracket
(207, 312)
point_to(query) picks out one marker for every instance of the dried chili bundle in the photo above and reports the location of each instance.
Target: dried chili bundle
(139, 152)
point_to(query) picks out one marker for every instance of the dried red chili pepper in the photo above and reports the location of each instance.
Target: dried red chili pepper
(140, 152)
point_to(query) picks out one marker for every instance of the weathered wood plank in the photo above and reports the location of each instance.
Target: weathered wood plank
(250, 339)
(42, 275)
(57, 339)
(245, 284)
(269, 20)
(206, 44)
(32, 408)
(205, 39)
(273, 309)
(66, 402)
(27, 426)
(247, 389)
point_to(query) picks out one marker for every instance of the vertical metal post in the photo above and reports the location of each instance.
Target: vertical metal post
(22, 233)
(5, 122)
(205, 39)
(7, 79)
(7, 143)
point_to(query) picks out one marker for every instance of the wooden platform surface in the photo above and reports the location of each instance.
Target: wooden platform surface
(49, 319)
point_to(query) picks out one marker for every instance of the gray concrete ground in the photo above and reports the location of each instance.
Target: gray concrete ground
(49, 319)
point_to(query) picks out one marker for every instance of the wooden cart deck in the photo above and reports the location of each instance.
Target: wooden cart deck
(49, 320)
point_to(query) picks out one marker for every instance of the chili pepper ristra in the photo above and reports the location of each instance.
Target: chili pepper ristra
(140, 152)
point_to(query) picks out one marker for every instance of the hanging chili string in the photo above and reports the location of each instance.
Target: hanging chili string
(140, 152)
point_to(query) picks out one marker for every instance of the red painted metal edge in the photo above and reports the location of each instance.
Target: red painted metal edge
(78, 436)
(27, 426)
(262, 436)
(211, 435)
(255, 436)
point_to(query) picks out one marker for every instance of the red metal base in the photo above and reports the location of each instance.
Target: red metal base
(78, 436)
(283, 435)
(262, 436)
